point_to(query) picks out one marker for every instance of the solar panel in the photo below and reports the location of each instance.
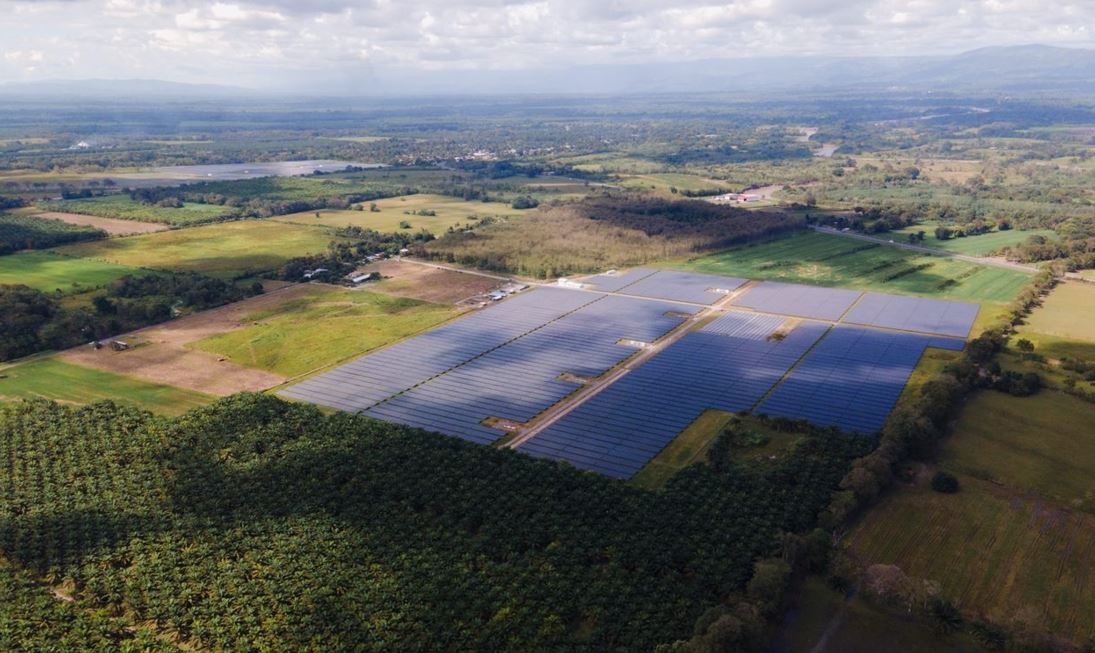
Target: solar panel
(932, 316)
(613, 282)
(683, 286)
(729, 364)
(850, 380)
(521, 379)
(798, 300)
(374, 377)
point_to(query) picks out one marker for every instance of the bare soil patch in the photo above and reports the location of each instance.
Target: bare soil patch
(110, 225)
(427, 283)
(159, 353)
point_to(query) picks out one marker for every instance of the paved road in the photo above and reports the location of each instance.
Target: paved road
(980, 260)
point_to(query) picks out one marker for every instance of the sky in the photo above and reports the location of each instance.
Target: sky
(270, 44)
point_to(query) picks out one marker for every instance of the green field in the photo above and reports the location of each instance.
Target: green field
(828, 260)
(53, 379)
(229, 250)
(1017, 540)
(690, 446)
(980, 245)
(822, 620)
(48, 271)
(124, 208)
(450, 212)
(1044, 444)
(324, 328)
(665, 181)
(1068, 313)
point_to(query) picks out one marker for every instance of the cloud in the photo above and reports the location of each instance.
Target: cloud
(269, 42)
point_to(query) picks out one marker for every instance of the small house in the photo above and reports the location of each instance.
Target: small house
(119, 345)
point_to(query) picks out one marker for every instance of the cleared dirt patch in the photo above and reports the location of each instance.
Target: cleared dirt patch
(427, 283)
(109, 225)
(159, 353)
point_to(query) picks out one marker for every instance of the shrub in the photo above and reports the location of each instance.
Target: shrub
(944, 482)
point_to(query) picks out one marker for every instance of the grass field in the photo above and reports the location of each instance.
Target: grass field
(994, 552)
(1068, 313)
(60, 381)
(48, 271)
(665, 181)
(123, 208)
(229, 250)
(1017, 542)
(1044, 444)
(690, 446)
(980, 245)
(823, 621)
(450, 211)
(323, 328)
(828, 260)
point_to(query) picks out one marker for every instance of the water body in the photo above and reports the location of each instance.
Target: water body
(178, 175)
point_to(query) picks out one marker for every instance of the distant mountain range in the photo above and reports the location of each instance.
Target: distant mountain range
(1029, 69)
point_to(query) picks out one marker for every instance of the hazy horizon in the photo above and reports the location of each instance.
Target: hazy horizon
(274, 45)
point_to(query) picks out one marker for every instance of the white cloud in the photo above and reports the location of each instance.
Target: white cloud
(260, 42)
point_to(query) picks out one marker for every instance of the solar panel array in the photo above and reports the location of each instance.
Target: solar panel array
(798, 300)
(729, 364)
(362, 383)
(613, 282)
(851, 380)
(521, 379)
(682, 286)
(933, 316)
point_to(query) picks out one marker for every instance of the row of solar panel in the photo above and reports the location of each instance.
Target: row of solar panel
(667, 284)
(374, 377)
(729, 365)
(851, 380)
(521, 379)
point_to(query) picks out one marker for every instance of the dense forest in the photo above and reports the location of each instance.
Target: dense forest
(32, 321)
(336, 533)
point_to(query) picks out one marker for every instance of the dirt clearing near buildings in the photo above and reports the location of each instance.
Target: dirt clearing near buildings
(159, 354)
(428, 283)
(112, 226)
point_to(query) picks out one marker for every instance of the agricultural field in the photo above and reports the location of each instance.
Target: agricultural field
(979, 245)
(829, 260)
(993, 551)
(50, 378)
(49, 271)
(122, 207)
(228, 251)
(112, 226)
(405, 213)
(20, 232)
(664, 182)
(1067, 315)
(823, 620)
(1025, 444)
(321, 328)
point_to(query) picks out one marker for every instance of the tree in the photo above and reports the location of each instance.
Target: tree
(944, 482)
(1025, 346)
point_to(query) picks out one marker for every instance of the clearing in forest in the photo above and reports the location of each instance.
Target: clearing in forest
(410, 213)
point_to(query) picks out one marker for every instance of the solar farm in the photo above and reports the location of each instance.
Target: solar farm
(605, 373)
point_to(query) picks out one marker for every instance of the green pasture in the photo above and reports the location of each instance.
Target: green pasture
(48, 271)
(123, 208)
(391, 213)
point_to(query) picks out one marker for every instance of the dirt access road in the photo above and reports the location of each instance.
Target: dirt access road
(159, 353)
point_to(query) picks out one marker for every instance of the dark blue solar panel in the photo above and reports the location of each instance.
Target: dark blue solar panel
(851, 380)
(521, 379)
(613, 282)
(932, 316)
(729, 365)
(683, 286)
(374, 377)
(798, 300)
